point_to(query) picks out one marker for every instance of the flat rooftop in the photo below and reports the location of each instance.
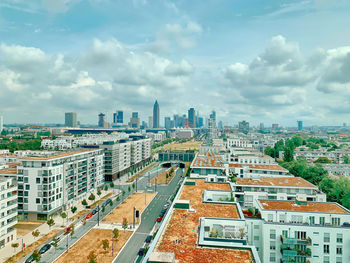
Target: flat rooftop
(59, 155)
(8, 171)
(207, 160)
(321, 207)
(273, 167)
(276, 181)
(180, 234)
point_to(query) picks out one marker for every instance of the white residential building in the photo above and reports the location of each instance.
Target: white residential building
(8, 210)
(300, 231)
(53, 183)
(247, 191)
(208, 166)
(258, 170)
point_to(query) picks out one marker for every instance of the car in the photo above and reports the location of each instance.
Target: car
(94, 211)
(89, 215)
(67, 230)
(159, 218)
(141, 252)
(161, 214)
(58, 240)
(166, 206)
(148, 239)
(108, 201)
(45, 248)
(30, 259)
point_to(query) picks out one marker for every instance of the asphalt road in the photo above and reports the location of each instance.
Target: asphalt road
(52, 254)
(149, 216)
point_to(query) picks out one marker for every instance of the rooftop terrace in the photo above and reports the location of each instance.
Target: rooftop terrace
(276, 181)
(56, 156)
(180, 234)
(321, 207)
(207, 160)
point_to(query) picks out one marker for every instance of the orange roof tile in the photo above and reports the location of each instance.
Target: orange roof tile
(276, 181)
(56, 155)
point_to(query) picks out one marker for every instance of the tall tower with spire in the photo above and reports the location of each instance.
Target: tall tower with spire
(156, 115)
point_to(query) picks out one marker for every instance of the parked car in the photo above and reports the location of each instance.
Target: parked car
(67, 230)
(159, 218)
(45, 248)
(108, 201)
(57, 238)
(141, 252)
(166, 206)
(94, 211)
(89, 215)
(30, 259)
(148, 239)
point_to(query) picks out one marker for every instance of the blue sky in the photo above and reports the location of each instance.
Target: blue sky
(262, 61)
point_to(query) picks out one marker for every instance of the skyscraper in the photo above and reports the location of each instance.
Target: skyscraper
(300, 125)
(118, 117)
(70, 119)
(168, 123)
(135, 120)
(150, 122)
(243, 126)
(101, 120)
(1, 123)
(191, 118)
(156, 115)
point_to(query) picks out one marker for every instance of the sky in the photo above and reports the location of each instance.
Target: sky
(259, 61)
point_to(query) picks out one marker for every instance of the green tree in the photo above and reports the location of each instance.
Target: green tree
(111, 185)
(345, 159)
(15, 246)
(125, 223)
(115, 233)
(129, 189)
(92, 257)
(322, 160)
(270, 151)
(36, 255)
(103, 209)
(63, 215)
(84, 202)
(111, 203)
(92, 197)
(73, 209)
(288, 154)
(99, 192)
(106, 187)
(55, 242)
(105, 245)
(50, 222)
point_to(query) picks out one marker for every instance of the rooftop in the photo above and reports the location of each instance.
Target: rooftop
(274, 167)
(321, 207)
(207, 160)
(8, 171)
(180, 234)
(59, 155)
(276, 181)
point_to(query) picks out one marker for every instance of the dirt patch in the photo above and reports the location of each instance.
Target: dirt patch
(183, 146)
(126, 208)
(24, 227)
(92, 242)
(162, 179)
(29, 249)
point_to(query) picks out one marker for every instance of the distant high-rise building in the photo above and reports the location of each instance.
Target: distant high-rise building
(344, 124)
(156, 115)
(191, 118)
(220, 125)
(135, 120)
(118, 117)
(167, 123)
(200, 122)
(150, 122)
(1, 123)
(101, 120)
(300, 125)
(213, 115)
(243, 126)
(261, 126)
(275, 126)
(70, 119)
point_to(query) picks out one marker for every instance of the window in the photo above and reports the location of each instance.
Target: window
(322, 220)
(272, 257)
(339, 260)
(326, 249)
(312, 220)
(38, 180)
(270, 217)
(326, 237)
(256, 238)
(285, 233)
(38, 200)
(335, 221)
(326, 259)
(282, 218)
(256, 226)
(339, 250)
(27, 187)
(301, 235)
(339, 238)
(272, 234)
(273, 245)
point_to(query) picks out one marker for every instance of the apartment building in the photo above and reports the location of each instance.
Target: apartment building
(258, 170)
(238, 142)
(208, 166)
(8, 210)
(300, 231)
(49, 184)
(248, 191)
(312, 155)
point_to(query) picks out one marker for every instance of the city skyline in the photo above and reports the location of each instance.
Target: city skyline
(248, 61)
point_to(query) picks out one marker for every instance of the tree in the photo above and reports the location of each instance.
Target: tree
(92, 197)
(133, 186)
(103, 209)
(111, 185)
(118, 199)
(99, 192)
(35, 233)
(106, 187)
(125, 223)
(36, 255)
(50, 222)
(111, 203)
(14, 245)
(322, 160)
(129, 189)
(105, 245)
(345, 159)
(54, 242)
(63, 215)
(84, 202)
(92, 257)
(72, 230)
(73, 209)
(288, 154)
(115, 233)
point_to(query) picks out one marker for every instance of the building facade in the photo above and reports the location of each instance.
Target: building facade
(156, 115)
(70, 119)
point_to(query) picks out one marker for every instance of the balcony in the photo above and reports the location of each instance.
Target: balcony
(287, 241)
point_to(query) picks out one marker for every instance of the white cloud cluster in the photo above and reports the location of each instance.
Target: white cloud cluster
(282, 81)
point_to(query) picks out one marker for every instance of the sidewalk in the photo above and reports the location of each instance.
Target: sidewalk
(44, 229)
